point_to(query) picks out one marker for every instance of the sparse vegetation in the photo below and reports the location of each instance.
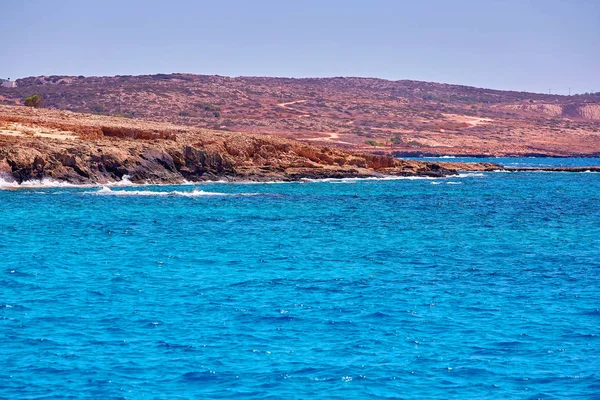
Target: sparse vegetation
(33, 101)
(414, 143)
(98, 109)
(444, 116)
(374, 143)
(207, 107)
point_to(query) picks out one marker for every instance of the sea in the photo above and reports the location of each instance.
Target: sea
(475, 286)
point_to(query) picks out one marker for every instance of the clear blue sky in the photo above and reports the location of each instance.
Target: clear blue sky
(504, 44)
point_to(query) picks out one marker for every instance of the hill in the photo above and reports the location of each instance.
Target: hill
(375, 115)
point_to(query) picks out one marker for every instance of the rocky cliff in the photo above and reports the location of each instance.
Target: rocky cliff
(79, 148)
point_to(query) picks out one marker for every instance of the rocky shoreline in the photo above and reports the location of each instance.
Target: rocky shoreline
(91, 149)
(106, 163)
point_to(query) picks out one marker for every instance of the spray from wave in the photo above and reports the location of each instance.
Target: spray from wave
(36, 184)
(469, 175)
(47, 183)
(8, 183)
(106, 191)
(383, 178)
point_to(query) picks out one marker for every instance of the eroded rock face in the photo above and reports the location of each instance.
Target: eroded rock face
(151, 152)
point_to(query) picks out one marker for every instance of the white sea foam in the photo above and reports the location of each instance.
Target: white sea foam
(396, 178)
(470, 175)
(47, 183)
(125, 181)
(106, 191)
(7, 183)
(382, 178)
(246, 182)
(453, 183)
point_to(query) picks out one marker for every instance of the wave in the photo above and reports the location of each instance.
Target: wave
(48, 183)
(106, 191)
(535, 171)
(125, 181)
(396, 178)
(36, 184)
(372, 178)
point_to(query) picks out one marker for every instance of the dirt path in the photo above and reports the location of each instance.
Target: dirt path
(331, 137)
(288, 104)
(285, 105)
(473, 121)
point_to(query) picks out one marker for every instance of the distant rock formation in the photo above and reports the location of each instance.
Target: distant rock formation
(7, 83)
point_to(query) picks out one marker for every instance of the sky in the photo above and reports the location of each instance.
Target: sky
(531, 45)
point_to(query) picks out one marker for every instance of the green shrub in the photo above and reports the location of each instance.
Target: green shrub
(33, 101)
(374, 143)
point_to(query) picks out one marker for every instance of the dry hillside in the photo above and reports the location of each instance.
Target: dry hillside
(375, 115)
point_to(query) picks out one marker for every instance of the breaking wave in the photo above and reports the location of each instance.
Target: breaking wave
(106, 191)
(383, 178)
(36, 184)
(48, 183)
(7, 183)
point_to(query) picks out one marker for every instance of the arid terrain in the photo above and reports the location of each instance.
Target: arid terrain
(37, 144)
(360, 114)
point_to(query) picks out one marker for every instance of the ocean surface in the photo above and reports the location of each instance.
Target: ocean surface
(478, 286)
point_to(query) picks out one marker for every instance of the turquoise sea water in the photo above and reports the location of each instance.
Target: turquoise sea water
(477, 286)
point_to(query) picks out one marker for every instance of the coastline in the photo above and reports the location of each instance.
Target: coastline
(83, 149)
(89, 149)
(125, 182)
(420, 154)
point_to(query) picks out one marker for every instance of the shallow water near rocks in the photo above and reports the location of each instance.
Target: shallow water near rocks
(479, 286)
